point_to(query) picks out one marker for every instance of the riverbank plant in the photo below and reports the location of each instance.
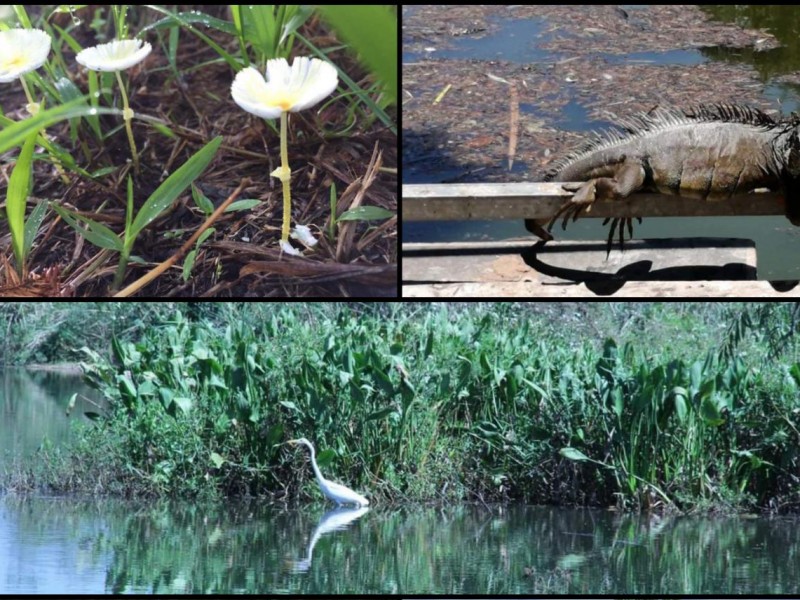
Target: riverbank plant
(435, 403)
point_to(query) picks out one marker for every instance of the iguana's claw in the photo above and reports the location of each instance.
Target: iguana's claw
(570, 209)
(620, 222)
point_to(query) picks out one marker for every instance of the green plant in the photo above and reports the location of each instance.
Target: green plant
(159, 201)
(270, 29)
(370, 30)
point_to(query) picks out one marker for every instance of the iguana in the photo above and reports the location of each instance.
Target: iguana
(708, 152)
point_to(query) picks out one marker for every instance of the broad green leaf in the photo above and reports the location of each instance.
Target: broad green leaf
(371, 30)
(275, 434)
(709, 410)
(325, 457)
(173, 187)
(794, 371)
(217, 460)
(185, 404)
(680, 403)
(18, 187)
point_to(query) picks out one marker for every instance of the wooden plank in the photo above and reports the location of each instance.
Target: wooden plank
(632, 289)
(575, 261)
(556, 263)
(504, 201)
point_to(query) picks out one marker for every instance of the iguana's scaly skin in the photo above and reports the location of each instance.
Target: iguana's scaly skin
(706, 152)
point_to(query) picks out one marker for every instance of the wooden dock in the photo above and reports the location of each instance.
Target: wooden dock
(692, 267)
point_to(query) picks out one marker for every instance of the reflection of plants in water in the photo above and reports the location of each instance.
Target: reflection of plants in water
(554, 581)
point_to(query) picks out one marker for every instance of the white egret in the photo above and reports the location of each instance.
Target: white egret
(335, 491)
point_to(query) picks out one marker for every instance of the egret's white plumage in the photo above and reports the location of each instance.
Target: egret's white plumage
(335, 491)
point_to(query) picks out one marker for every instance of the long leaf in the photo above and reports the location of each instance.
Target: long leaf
(18, 187)
(371, 31)
(178, 18)
(16, 134)
(32, 225)
(173, 187)
(95, 233)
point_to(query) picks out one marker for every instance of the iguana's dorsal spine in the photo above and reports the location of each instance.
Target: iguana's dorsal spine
(662, 119)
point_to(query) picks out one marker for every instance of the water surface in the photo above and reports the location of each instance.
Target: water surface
(49, 545)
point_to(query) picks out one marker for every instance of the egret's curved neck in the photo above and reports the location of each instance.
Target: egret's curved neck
(320, 478)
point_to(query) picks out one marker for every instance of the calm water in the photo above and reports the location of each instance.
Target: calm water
(49, 545)
(33, 409)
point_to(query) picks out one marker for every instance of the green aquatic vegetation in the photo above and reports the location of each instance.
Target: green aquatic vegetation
(445, 403)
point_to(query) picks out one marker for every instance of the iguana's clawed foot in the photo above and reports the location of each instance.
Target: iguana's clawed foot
(620, 222)
(585, 195)
(582, 201)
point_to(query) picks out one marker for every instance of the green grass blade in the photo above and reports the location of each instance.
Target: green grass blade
(260, 28)
(185, 22)
(94, 232)
(19, 185)
(175, 184)
(363, 95)
(236, 13)
(366, 213)
(32, 225)
(16, 134)
(22, 16)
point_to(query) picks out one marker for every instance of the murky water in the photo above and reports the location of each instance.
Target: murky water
(50, 545)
